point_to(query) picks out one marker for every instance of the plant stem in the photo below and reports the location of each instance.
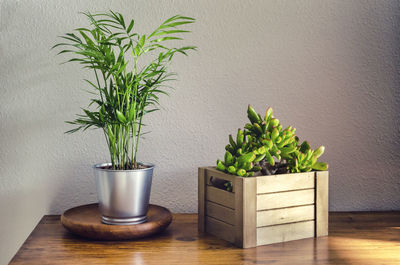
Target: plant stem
(140, 125)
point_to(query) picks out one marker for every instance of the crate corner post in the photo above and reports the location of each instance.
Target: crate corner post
(201, 198)
(321, 203)
(246, 212)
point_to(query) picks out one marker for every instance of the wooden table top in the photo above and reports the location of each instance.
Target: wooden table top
(355, 238)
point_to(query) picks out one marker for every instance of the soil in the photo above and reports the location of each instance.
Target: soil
(139, 167)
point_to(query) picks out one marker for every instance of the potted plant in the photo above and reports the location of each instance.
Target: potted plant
(268, 188)
(125, 91)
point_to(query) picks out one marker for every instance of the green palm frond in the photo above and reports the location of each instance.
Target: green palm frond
(111, 49)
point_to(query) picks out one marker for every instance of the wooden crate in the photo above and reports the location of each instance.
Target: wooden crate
(265, 209)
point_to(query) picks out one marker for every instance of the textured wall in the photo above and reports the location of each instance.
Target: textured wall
(329, 68)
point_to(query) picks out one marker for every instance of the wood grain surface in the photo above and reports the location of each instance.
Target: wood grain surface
(85, 221)
(354, 238)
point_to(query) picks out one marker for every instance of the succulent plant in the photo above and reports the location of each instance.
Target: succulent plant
(265, 147)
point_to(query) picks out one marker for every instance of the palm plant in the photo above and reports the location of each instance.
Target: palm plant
(124, 90)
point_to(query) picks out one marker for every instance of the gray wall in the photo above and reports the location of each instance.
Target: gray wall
(329, 68)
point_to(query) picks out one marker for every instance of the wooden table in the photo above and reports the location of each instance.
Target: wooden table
(355, 238)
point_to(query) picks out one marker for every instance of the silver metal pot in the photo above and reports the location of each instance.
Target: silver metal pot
(123, 194)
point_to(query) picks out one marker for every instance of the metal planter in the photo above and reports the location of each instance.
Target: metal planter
(123, 194)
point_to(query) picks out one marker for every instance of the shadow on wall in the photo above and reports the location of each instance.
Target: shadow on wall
(20, 214)
(365, 139)
(74, 186)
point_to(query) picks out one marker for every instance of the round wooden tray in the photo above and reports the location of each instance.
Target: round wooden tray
(85, 221)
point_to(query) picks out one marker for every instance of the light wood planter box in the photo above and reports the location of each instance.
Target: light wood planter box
(264, 210)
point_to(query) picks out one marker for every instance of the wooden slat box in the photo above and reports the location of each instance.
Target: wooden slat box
(265, 209)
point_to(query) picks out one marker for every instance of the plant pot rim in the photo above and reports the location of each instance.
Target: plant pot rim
(150, 166)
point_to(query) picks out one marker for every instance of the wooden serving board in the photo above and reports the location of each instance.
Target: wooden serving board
(85, 221)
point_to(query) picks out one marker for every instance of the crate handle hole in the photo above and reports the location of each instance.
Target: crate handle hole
(221, 184)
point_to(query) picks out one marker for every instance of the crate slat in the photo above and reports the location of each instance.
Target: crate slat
(285, 215)
(222, 197)
(286, 232)
(285, 199)
(220, 212)
(285, 182)
(220, 229)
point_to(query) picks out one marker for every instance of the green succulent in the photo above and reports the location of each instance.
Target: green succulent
(239, 157)
(305, 159)
(267, 133)
(264, 146)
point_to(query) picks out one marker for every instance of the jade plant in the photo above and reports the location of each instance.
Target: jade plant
(125, 89)
(264, 147)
